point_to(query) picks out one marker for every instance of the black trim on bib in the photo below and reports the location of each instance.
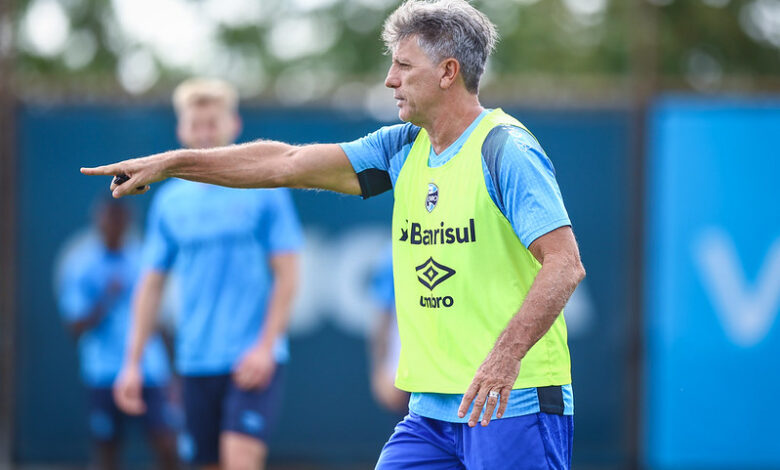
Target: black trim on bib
(550, 399)
(374, 182)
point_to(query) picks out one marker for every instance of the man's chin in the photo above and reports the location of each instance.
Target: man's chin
(410, 119)
(404, 116)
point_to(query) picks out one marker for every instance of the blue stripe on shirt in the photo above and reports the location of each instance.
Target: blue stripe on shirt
(492, 155)
(444, 407)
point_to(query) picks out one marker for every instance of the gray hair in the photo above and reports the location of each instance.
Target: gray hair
(444, 29)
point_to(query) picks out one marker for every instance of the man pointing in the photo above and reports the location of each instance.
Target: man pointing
(484, 256)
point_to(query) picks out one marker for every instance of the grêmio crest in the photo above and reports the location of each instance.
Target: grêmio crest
(432, 197)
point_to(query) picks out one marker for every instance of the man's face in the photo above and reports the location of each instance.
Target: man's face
(112, 221)
(414, 79)
(207, 125)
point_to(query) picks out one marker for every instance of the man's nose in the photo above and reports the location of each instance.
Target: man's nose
(391, 81)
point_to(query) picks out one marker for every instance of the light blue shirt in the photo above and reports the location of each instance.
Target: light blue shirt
(520, 179)
(382, 288)
(383, 293)
(84, 284)
(219, 242)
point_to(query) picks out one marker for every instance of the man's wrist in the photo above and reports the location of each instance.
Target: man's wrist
(516, 349)
(174, 160)
(131, 362)
(268, 339)
(266, 344)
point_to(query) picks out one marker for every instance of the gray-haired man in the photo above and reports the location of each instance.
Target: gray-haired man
(481, 273)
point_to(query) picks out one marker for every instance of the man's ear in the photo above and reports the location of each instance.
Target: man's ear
(450, 70)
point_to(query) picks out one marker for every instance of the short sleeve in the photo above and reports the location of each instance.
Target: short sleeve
(159, 250)
(377, 157)
(284, 233)
(524, 184)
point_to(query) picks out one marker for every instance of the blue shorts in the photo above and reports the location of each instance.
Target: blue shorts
(529, 442)
(107, 421)
(214, 403)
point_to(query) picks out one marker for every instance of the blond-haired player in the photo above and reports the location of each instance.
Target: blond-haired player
(235, 258)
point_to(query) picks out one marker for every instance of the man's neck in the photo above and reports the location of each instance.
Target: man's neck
(113, 247)
(450, 122)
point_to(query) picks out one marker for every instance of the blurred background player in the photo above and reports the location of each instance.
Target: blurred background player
(235, 256)
(385, 341)
(95, 288)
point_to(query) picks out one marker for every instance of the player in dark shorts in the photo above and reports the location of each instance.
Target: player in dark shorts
(95, 285)
(234, 256)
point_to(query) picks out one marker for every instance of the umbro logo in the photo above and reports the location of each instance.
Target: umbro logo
(431, 274)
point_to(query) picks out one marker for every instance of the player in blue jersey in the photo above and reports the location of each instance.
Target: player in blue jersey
(385, 342)
(235, 257)
(94, 286)
(507, 362)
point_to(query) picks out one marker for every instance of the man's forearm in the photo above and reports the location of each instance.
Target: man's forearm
(379, 340)
(145, 306)
(266, 164)
(285, 268)
(95, 316)
(260, 164)
(552, 288)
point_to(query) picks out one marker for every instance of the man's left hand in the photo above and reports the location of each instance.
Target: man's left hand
(255, 369)
(497, 373)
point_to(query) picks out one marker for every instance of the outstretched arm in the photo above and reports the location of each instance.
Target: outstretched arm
(559, 275)
(261, 164)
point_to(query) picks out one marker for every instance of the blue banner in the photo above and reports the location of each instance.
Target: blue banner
(713, 285)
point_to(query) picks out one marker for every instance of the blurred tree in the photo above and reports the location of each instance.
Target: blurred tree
(299, 51)
(715, 44)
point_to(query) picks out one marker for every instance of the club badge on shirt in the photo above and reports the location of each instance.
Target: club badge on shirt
(432, 198)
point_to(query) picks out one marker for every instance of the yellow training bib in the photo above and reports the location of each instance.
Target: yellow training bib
(461, 273)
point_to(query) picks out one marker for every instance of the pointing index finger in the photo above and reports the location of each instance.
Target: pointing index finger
(101, 170)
